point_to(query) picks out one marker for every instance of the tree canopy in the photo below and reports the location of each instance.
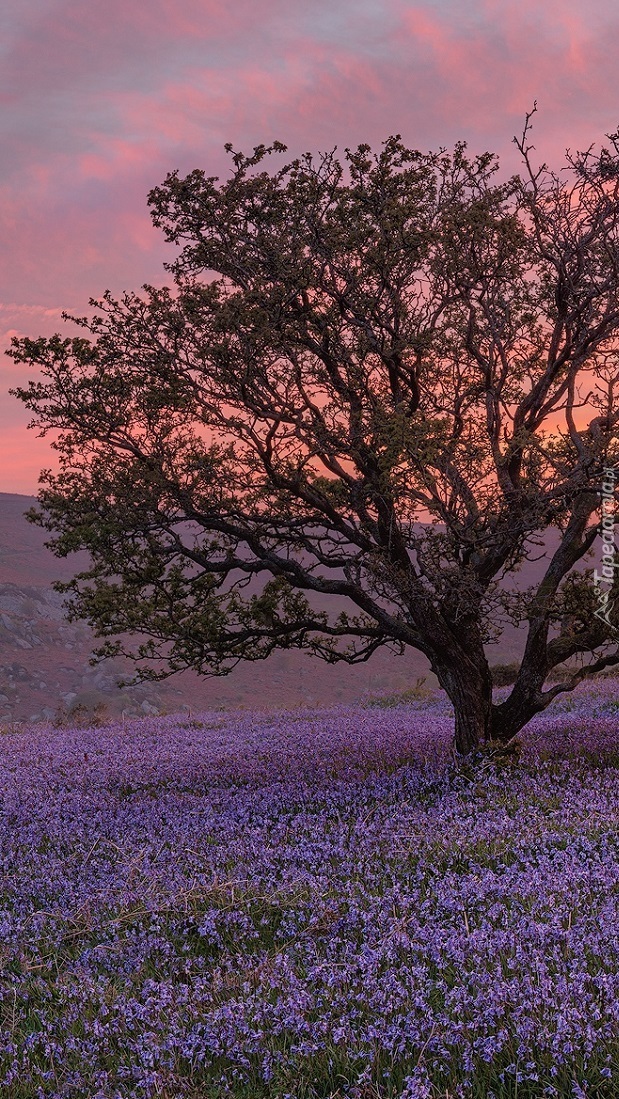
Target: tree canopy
(380, 378)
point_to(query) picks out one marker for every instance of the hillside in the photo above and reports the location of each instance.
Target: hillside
(44, 660)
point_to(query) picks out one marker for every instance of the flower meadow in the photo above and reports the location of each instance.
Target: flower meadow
(311, 904)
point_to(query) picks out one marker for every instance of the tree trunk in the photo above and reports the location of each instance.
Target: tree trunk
(472, 714)
(470, 692)
(510, 716)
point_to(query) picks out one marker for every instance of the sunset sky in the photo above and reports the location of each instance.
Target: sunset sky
(101, 100)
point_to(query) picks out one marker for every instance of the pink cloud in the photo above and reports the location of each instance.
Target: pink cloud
(22, 454)
(100, 101)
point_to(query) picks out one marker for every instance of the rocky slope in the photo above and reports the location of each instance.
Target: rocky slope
(44, 660)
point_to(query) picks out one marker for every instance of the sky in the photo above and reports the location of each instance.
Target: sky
(100, 100)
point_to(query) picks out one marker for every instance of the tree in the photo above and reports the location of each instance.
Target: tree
(380, 380)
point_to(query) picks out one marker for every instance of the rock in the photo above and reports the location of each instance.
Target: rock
(88, 698)
(104, 681)
(17, 671)
(148, 708)
(10, 603)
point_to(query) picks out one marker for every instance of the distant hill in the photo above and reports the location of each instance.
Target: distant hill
(23, 556)
(44, 664)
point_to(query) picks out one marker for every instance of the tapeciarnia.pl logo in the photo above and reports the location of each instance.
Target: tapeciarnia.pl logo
(604, 580)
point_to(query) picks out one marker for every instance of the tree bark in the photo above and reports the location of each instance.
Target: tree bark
(470, 692)
(524, 702)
